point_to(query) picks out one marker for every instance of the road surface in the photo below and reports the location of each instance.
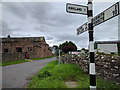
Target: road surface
(17, 76)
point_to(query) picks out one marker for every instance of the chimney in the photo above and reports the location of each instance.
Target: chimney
(8, 36)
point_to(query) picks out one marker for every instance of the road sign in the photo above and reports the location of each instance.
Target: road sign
(102, 17)
(106, 15)
(82, 29)
(78, 9)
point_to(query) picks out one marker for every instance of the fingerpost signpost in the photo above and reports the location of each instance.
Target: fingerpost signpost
(107, 14)
(91, 46)
(88, 26)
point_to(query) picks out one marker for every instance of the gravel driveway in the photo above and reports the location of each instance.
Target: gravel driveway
(16, 76)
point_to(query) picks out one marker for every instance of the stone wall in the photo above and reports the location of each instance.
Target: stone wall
(31, 47)
(107, 66)
(12, 56)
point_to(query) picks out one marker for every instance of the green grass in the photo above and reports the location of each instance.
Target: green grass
(42, 58)
(21, 61)
(45, 78)
(13, 62)
(54, 76)
(0, 63)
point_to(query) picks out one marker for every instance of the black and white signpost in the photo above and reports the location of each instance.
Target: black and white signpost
(86, 10)
(91, 46)
(88, 26)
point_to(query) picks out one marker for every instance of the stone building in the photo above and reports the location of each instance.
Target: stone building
(24, 48)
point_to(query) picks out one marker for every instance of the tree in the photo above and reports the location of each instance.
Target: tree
(60, 46)
(68, 46)
(83, 49)
(56, 47)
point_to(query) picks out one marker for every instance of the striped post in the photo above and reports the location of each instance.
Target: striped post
(91, 47)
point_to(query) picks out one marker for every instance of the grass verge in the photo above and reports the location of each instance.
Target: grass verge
(0, 64)
(54, 76)
(42, 58)
(13, 62)
(21, 61)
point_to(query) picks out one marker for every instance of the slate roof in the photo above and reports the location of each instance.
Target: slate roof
(36, 44)
(34, 39)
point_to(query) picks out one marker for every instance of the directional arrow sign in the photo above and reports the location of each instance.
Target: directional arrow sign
(78, 9)
(106, 15)
(82, 29)
(102, 17)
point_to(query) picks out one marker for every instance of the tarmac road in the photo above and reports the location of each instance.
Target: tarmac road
(18, 75)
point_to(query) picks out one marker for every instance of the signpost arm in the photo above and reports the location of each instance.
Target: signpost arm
(91, 47)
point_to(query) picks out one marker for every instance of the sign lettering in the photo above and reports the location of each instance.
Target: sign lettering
(106, 15)
(102, 17)
(78, 9)
(82, 29)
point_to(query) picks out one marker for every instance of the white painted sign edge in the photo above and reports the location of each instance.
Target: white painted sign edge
(75, 5)
(111, 17)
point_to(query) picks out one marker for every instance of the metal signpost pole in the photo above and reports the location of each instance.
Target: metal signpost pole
(59, 57)
(56, 53)
(91, 47)
(92, 22)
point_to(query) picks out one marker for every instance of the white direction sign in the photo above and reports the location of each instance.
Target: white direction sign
(106, 15)
(78, 9)
(82, 29)
(102, 17)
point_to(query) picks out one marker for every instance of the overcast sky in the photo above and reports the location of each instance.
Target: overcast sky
(50, 19)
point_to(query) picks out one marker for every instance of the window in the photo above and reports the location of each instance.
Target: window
(5, 50)
(18, 49)
(29, 49)
(4, 43)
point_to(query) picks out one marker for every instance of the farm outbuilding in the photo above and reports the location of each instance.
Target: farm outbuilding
(108, 46)
(24, 48)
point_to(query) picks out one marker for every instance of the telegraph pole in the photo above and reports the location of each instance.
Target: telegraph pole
(91, 46)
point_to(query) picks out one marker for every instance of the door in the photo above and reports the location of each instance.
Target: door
(26, 55)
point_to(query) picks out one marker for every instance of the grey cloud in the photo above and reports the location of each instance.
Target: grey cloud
(20, 35)
(52, 21)
(66, 20)
(46, 13)
(49, 38)
(38, 10)
(16, 8)
(43, 28)
(6, 29)
(71, 37)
